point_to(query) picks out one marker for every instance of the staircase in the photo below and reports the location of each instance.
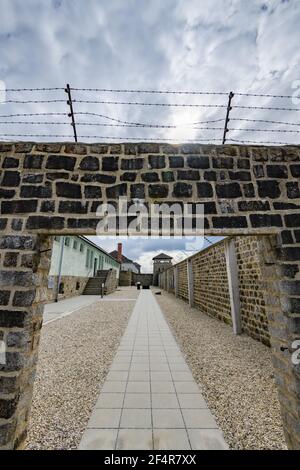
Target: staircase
(93, 286)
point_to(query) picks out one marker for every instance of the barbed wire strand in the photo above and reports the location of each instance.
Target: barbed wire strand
(259, 142)
(136, 103)
(265, 121)
(34, 89)
(167, 92)
(143, 139)
(32, 114)
(145, 126)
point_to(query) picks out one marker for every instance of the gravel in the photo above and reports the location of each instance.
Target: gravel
(74, 359)
(235, 373)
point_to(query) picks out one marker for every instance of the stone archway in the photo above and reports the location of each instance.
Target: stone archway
(54, 189)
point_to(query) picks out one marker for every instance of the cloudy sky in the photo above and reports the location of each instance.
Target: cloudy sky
(184, 45)
(194, 45)
(143, 250)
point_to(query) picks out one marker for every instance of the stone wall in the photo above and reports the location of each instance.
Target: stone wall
(211, 294)
(182, 281)
(111, 282)
(211, 290)
(125, 278)
(55, 189)
(143, 278)
(72, 286)
(252, 287)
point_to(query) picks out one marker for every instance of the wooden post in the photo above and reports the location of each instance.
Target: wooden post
(233, 284)
(190, 277)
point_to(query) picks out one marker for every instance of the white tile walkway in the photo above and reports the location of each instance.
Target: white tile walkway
(150, 399)
(62, 308)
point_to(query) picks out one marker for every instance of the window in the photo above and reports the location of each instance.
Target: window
(67, 241)
(87, 259)
(75, 245)
(57, 239)
(91, 259)
(81, 248)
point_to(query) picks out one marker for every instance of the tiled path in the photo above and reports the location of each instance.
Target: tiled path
(62, 308)
(150, 399)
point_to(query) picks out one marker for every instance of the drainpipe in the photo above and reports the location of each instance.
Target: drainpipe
(59, 268)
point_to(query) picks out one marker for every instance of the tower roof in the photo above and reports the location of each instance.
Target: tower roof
(162, 256)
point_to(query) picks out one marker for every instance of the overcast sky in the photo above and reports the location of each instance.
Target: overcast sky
(207, 45)
(196, 45)
(143, 250)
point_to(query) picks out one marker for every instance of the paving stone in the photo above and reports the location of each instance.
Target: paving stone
(117, 376)
(171, 439)
(135, 439)
(99, 439)
(191, 400)
(162, 387)
(105, 418)
(114, 386)
(110, 400)
(206, 439)
(165, 400)
(199, 419)
(164, 376)
(186, 387)
(136, 418)
(137, 400)
(184, 376)
(138, 387)
(139, 375)
(167, 418)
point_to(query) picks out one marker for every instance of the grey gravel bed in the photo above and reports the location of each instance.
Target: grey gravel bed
(74, 359)
(236, 375)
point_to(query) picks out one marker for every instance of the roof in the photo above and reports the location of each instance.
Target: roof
(86, 240)
(114, 254)
(162, 256)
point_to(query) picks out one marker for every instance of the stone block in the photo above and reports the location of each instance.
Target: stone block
(89, 163)
(60, 162)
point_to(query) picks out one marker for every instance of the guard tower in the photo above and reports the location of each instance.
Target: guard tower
(160, 263)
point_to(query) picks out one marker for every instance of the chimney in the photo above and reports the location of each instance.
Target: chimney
(119, 252)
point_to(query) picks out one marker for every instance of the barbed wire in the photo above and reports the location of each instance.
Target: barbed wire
(142, 139)
(34, 89)
(115, 122)
(32, 114)
(140, 103)
(143, 91)
(265, 121)
(259, 142)
(147, 126)
(32, 101)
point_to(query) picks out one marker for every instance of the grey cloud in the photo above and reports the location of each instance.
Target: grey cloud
(175, 44)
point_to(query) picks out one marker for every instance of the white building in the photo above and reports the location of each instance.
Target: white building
(81, 258)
